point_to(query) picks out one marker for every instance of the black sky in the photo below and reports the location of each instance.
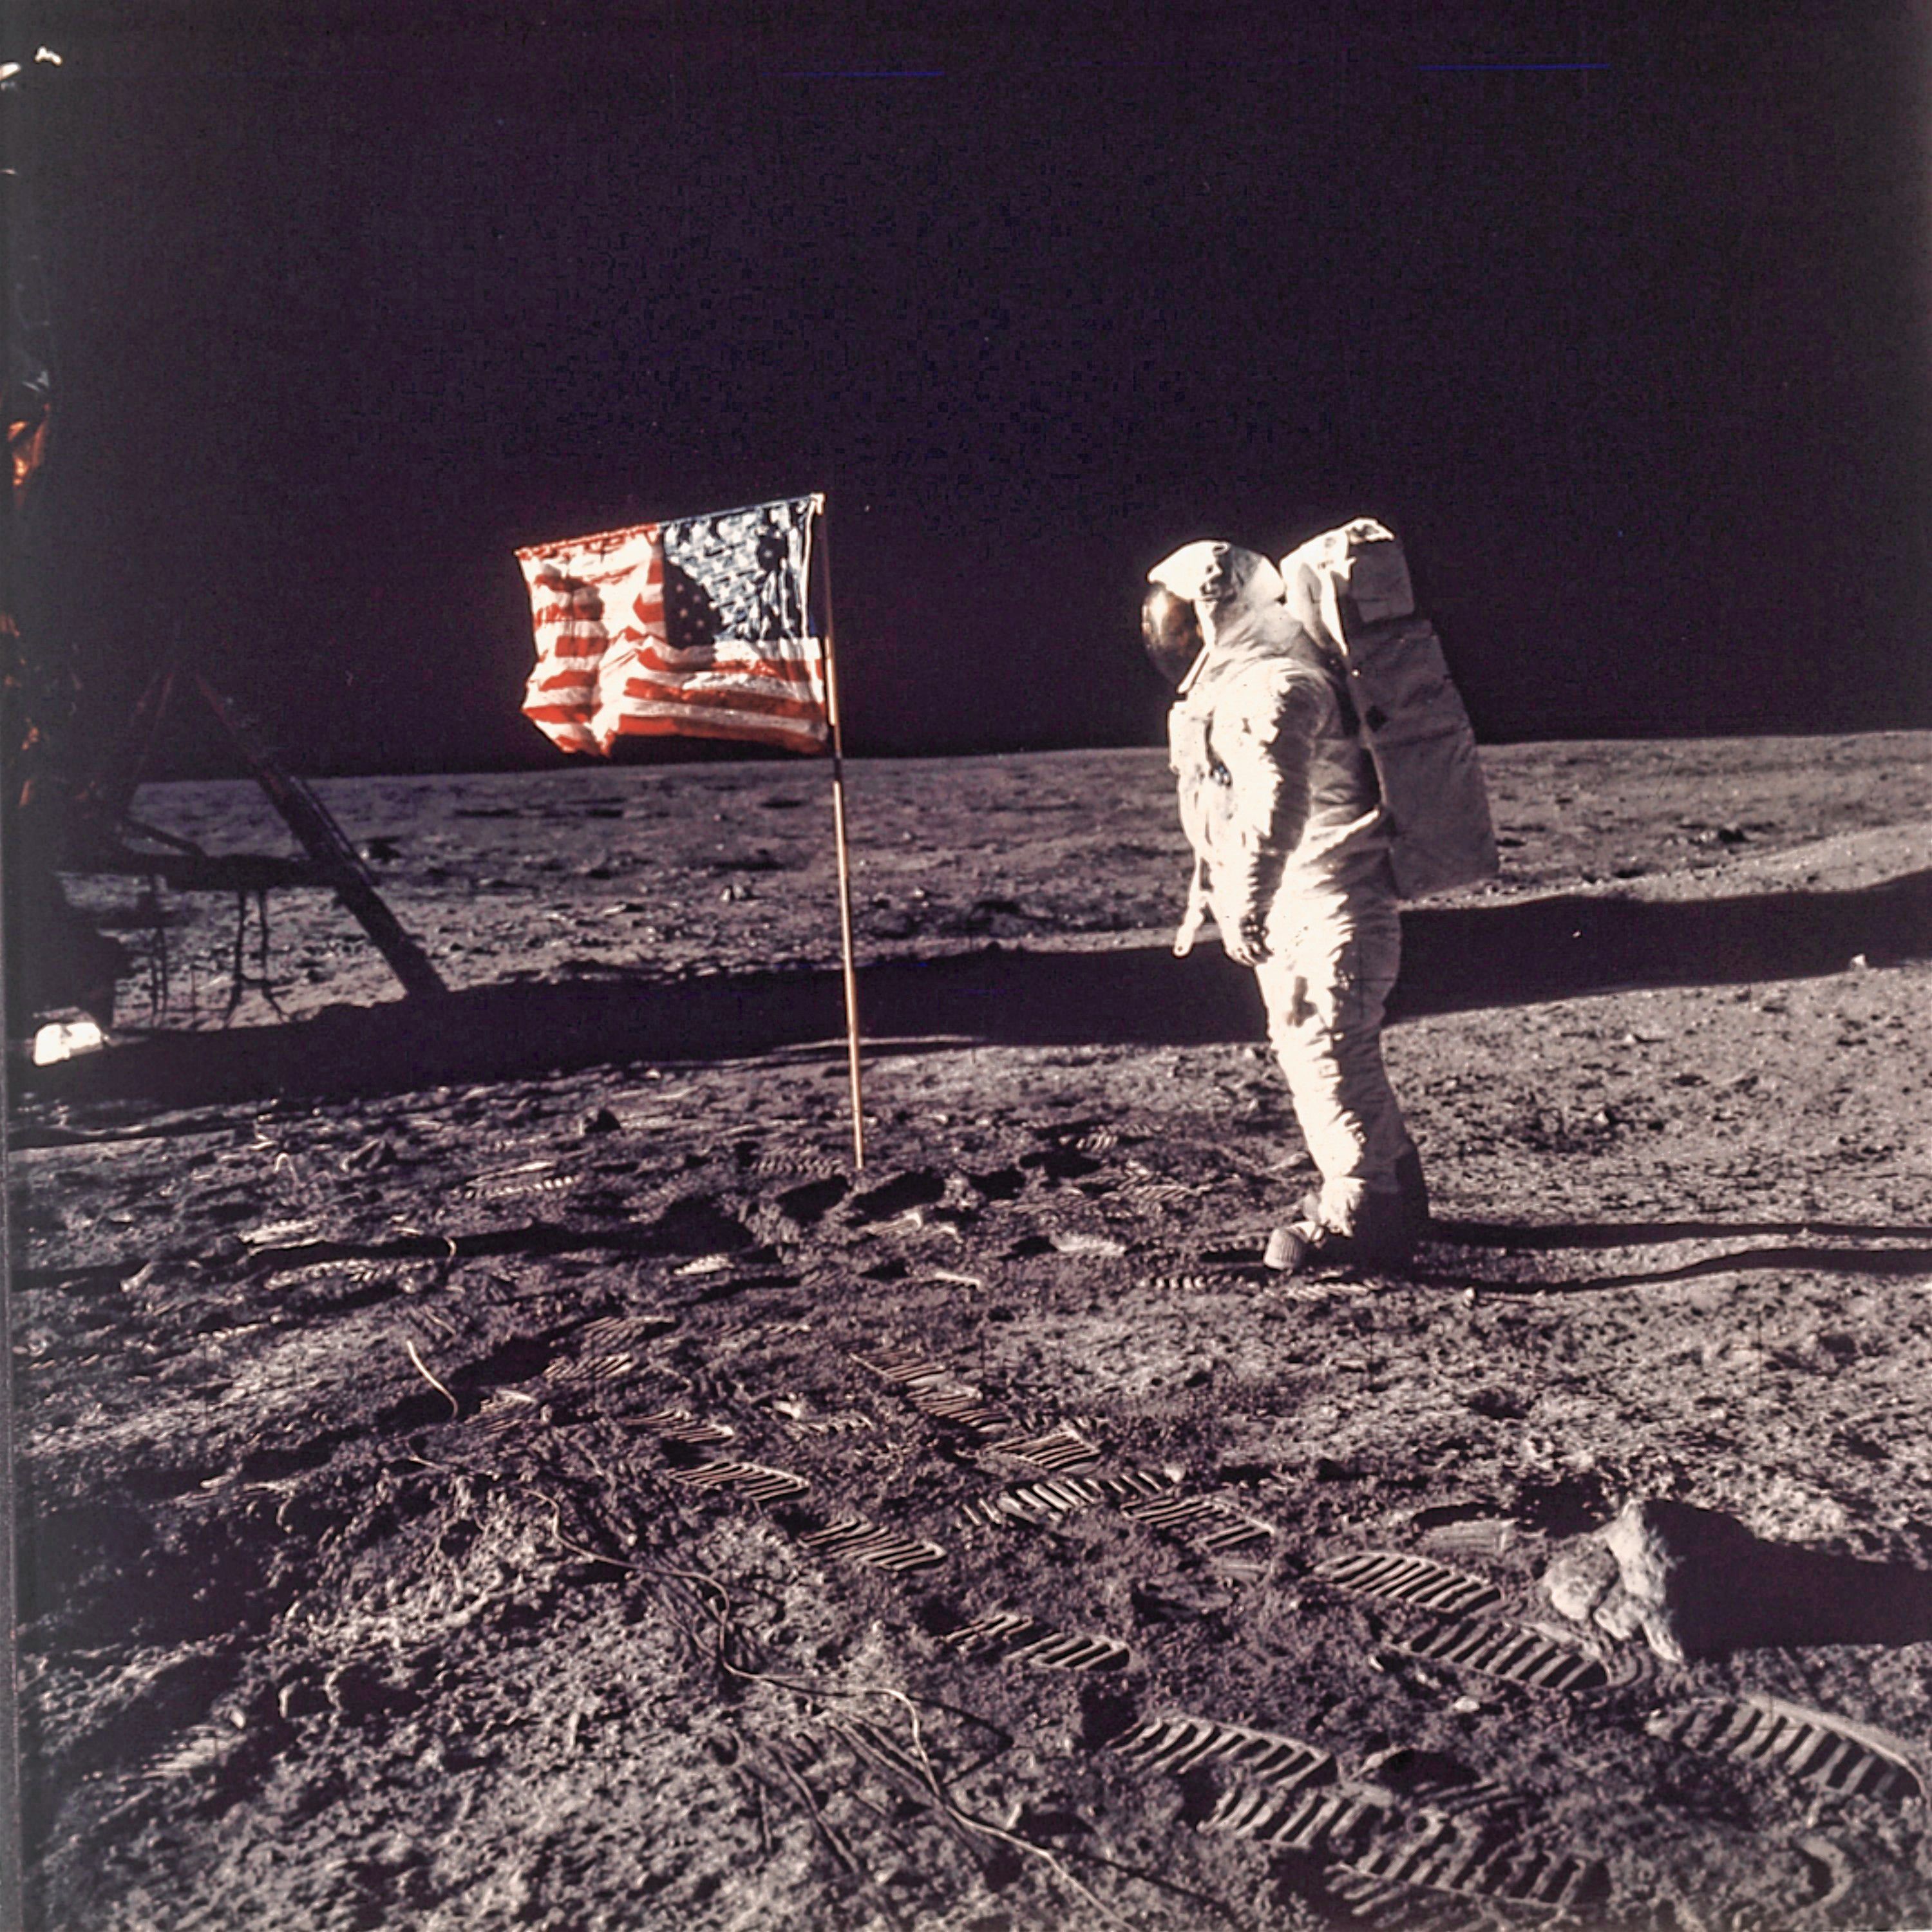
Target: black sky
(1617, 314)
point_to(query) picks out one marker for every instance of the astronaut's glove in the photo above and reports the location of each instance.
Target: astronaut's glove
(1196, 916)
(1247, 944)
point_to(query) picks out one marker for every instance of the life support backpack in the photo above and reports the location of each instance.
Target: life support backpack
(1350, 587)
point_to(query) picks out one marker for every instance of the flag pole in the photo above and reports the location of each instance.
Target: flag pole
(839, 840)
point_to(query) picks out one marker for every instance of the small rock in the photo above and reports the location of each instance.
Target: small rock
(1579, 1578)
(301, 1697)
(1693, 1582)
(370, 1156)
(1072, 1242)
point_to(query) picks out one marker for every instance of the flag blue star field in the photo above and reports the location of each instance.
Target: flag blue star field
(698, 628)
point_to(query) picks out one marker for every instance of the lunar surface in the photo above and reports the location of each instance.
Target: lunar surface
(492, 1461)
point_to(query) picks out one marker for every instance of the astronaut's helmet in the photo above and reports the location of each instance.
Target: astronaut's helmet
(1171, 631)
(1219, 579)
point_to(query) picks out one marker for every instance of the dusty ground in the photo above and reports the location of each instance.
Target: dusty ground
(382, 1371)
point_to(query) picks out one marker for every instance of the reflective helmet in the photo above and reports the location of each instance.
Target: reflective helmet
(1171, 631)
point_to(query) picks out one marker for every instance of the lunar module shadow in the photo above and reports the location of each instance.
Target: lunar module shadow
(1563, 948)
(1456, 959)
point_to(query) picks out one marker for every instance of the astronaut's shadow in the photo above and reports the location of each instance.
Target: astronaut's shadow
(1652, 1234)
(1800, 1250)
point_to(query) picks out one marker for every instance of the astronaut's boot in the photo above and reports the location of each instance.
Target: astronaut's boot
(1388, 1224)
(1381, 1244)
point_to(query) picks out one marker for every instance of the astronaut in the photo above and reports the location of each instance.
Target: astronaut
(1280, 801)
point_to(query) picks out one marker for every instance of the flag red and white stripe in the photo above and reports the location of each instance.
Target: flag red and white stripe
(698, 628)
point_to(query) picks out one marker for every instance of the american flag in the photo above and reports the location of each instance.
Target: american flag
(698, 628)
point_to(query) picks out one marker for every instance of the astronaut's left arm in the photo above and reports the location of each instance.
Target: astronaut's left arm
(1266, 743)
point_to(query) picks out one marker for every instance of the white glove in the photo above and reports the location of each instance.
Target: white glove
(1196, 914)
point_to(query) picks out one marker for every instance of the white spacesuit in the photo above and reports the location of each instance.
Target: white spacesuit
(1280, 801)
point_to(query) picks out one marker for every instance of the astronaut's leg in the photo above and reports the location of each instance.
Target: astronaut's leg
(1326, 984)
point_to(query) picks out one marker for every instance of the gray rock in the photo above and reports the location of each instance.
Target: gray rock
(1693, 1582)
